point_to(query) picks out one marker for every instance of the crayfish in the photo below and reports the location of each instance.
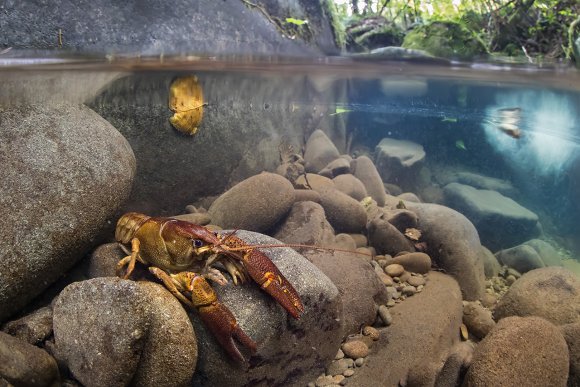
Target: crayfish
(181, 255)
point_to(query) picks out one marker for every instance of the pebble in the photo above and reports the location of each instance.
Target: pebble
(394, 270)
(372, 332)
(416, 280)
(324, 380)
(385, 315)
(355, 349)
(510, 279)
(339, 366)
(359, 362)
(338, 379)
(409, 290)
(348, 372)
(382, 262)
(405, 276)
(488, 300)
(339, 355)
(390, 303)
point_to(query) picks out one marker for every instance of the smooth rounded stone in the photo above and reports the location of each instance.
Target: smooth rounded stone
(478, 320)
(409, 290)
(510, 279)
(416, 281)
(23, 364)
(401, 219)
(456, 365)
(348, 372)
(255, 204)
(488, 300)
(523, 258)
(571, 334)
(425, 327)
(360, 240)
(345, 242)
(281, 339)
(547, 253)
(409, 197)
(337, 167)
(306, 195)
(351, 186)
(364, 169)
(492, 213)
(34, 328)
(65, 173)
(324, 380)
(371, 332)
(550, 292)
(339, 355)
(519, 350)
(103, 260)
(355, 349)
(339, 366)
(359, 362)
(110, 331)
(404, 277)
(385, 237)
(314, 182)
(384, 278)
(491, 266)
(394, 270)
(306, 224)
(399, 161)
(414, 262)
(201, 218)
(385, 315)
(319, 151)
(347, 272)
(453, 244)
(504, 187)
(344, 213)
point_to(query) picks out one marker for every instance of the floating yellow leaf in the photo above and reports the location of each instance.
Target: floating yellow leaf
(186, 102)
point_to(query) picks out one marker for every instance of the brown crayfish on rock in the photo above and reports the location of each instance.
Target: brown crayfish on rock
(181, 255)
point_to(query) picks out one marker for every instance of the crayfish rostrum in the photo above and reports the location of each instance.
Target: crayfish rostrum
(181, 255)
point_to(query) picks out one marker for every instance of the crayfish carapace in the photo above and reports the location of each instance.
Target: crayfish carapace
(181, 255)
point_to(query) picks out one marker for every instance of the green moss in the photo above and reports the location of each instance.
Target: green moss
(445, 39)
(337, 27)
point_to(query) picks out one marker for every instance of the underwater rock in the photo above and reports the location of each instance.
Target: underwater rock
(344, 213)
(424, 328)
(314, 182)
(409, 196)
(491, 266)
(360, 289)
(399, 161)
(364, 169)
(453, 244)
(65, 173)
(255, 204)
(319, 151)
(571, 334)
(457, 363)
(201, 218)
(351, 186)
(23, 364)
(103, 260)
(401, 219)
(547, 253)
(523, 258)
(306, 195)
(519, 350)
(110, 331)
(337, 167)
(477, 319)
(500, 221)
(413, 262)
(550, 292)
(478, 181)
(306, 224)
(385, 237)
(34, 328)
(285, 353)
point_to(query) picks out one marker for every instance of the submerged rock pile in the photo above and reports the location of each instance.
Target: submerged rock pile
(394, 290)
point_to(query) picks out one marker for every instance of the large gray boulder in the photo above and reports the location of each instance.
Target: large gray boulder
(520, 352)
(530, 255)
(65, 173)
(186, 26)
(549, 292)
(453, 244)
(499, 220)
(424, 329)
(399, 161)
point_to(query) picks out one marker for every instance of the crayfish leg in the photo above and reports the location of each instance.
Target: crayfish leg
(130, 260)
(173, 285)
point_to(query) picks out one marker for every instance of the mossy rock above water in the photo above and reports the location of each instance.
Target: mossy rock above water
(373, 32)
(445, 39)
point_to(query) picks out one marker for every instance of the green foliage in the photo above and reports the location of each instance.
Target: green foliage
(297, 22)
(534, 28)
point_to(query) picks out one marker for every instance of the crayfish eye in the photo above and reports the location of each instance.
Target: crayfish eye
(197, 243)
